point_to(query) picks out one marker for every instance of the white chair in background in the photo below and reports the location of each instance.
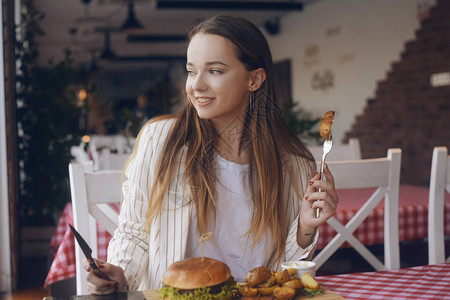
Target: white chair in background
(92, 192)
(104, 141)
(79, 154)
(112, 161)
(110, 152)
(384, 174)
(85, 153)
(350, 151)
(439, 185)
(118, 143)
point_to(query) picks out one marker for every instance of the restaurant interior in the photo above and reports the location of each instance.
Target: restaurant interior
(80, 78)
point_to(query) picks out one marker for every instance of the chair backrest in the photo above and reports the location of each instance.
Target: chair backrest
(79, 155)
(119, 143)
(112, 161)
(384, 174)
(439, 185)
(92, 192)
(350, 151)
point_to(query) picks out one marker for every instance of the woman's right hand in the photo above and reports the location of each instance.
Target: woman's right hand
(113, 281)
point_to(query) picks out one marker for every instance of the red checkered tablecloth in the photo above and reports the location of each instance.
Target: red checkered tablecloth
(413, 224)
(413, 215)
(423, 282)
(63, 245)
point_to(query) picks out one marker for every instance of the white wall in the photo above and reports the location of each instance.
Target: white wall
(5, 253)
(356, 40)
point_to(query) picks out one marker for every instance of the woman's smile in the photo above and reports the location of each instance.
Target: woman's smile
(204, 101)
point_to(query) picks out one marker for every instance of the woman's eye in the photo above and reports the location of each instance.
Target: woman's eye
(214, 71)
(190, 72)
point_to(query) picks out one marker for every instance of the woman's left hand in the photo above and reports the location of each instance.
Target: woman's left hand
(326, 200)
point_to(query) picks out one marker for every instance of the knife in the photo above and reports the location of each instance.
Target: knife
(86, 250)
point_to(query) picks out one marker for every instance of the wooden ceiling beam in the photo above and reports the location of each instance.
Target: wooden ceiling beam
(156, 38)
(151, 57)
(230, 5)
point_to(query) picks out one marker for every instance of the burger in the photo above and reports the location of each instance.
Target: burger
(197, 278)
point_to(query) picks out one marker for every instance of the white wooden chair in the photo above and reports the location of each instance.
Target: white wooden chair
(92, 192)
(79, 155)
(384, 174)
(112, 161)
(439, 185)
(350, 151)
(119, 143)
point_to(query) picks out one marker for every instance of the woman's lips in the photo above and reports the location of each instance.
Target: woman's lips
(204, 101)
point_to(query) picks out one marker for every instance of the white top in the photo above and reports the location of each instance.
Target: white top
(229, 243)
(144, 252)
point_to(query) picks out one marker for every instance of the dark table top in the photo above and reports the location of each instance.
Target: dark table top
(116, 296)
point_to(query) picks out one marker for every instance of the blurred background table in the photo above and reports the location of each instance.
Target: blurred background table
(413, 215)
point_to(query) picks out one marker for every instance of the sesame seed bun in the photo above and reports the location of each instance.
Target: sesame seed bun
(193, 273)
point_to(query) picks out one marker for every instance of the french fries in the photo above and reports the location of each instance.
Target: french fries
(247, 291)
(283, 285)
(266, 291)
(282, 276)
(257, 275)
(309, 282)
(294, 283)
(283, 293)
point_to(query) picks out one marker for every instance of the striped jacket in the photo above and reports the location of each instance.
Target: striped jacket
(144, 254)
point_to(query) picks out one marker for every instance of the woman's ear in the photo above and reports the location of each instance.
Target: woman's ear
(257, 78)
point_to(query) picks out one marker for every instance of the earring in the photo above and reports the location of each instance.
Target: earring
(252, 102)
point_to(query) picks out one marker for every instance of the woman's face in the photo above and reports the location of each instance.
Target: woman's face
(218, 85)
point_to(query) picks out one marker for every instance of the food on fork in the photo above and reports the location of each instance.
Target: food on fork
(198, 278)
(281, 285)
(325, 124)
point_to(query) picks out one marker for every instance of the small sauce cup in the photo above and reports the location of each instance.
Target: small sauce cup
(302, 267)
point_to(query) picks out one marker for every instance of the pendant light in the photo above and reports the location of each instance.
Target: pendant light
(131, 24)
(107, 52)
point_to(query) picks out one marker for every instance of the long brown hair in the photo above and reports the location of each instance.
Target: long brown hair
(265, 134)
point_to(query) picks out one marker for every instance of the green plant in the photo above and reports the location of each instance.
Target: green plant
(166, 95)
(301, 122)
(128, 123)
(161, 99)
(47, 120)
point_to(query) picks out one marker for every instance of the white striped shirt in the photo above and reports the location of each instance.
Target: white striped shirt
(144, 255)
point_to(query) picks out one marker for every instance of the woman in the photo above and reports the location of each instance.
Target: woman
(226, 164)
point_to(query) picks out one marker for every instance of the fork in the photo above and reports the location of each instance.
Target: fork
(327, 145)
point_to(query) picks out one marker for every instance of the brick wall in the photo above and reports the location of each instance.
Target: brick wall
(407, 112)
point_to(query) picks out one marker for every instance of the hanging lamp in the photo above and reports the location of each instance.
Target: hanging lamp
(107, 52)
(131, 24)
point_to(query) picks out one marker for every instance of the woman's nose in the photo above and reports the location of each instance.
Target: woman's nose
(199, 83)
